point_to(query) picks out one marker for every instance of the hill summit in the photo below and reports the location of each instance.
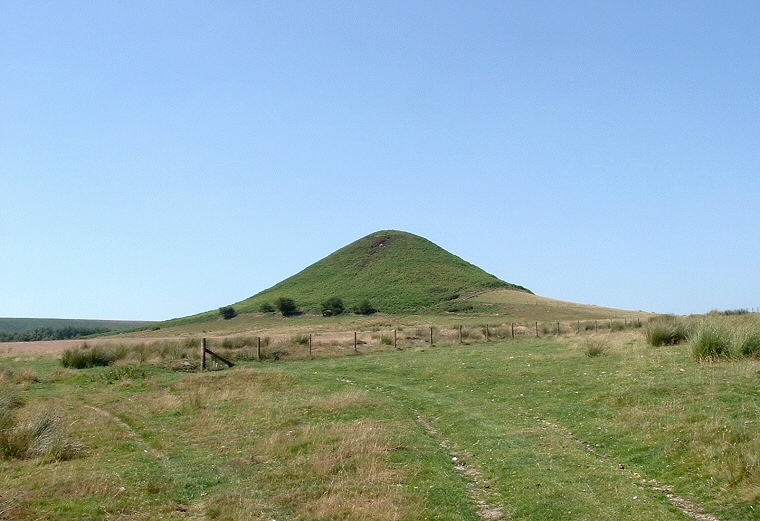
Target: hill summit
(398, 272)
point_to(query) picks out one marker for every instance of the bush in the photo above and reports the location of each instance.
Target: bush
(332, 307)
(227, 312)
(266, 307)
(364, 308)
(286, 306)
(711, 342)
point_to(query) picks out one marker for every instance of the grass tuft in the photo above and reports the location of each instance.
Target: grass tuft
(710, 342)
(84, 357)
(596, 348)
(26, 376)
(299, 339)
(666, 332)
(39, 436)
(749, 344)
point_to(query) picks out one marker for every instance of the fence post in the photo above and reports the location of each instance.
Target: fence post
(487, 334)
(536, 329)
(557, 328)
(394, 340)
(309, 345)
(460, 333)
(579, 327)
(258, 348)
(203, 354)
(431, 335)
(513, 329)
(596, 326)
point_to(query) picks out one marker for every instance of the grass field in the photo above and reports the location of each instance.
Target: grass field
(591, 426)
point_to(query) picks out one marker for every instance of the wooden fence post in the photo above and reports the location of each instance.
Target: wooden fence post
(431, 335)
(487, 334)
(356, 350)
(579, 327)
(557, 328)
(536, 329)
(258, 348)
(205, 350)
(460, 333)
(596, 326)
(309, 345)
(394, 339)
(513, 329)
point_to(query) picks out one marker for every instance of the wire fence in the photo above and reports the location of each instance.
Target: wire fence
(327, 343)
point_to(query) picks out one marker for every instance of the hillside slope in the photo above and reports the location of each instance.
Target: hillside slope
(398, 272)
(20, 325)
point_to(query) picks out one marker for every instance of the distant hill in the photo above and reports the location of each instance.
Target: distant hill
(23, 325)
(398, 272)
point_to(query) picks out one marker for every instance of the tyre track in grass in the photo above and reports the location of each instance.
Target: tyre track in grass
(685, 506)
(193, 508)
(130, 431)
(477, 486)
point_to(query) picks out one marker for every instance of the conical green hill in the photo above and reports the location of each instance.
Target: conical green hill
(397, 272)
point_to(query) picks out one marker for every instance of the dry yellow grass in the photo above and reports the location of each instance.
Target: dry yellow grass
(518, 306)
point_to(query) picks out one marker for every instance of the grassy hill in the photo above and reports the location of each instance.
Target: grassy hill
(397, 272)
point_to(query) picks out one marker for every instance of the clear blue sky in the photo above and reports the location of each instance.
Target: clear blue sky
(159, 159)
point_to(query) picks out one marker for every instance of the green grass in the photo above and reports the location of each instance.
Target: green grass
(532, 428)
(711, 341)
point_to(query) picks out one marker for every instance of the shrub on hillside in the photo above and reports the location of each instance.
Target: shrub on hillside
(364, 308)
(332, 307)
(286, 306)
(227, 312)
